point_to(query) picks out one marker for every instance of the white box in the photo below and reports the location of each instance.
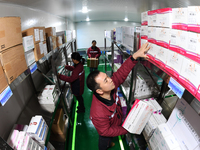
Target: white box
(152, 18)
(144, 18)
(34, 145)
(150, 126)
(12, 139)
(152, 32)
(162, 54)
(153, 49)
(178, 41)
(184, 123)
(164, 17)
(191, 71)
(169, 143)
(180, 18)
(35, 126)
(137, 117)
(193, 45)
(27, 144)
(28, 43)
(128, 37)
(175, 61)
(144, 32)
(30, 57)
(20, 140)
(193, 18)
(143, 41)
(160, 119)
(155, 104)
(119, 34)
(163, 37)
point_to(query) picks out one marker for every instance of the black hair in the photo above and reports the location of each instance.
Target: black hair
(94, 41)
(77, 56)
(91, 83)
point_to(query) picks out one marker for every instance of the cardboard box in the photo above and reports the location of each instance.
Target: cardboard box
(180, 18)
(3, 80)
(30, 58)
(144, 18)
(152, 32)
(54, 43)
(61, 33)
(137, 117)
(13, 61)
(51, 31)
(28, 43)
(39, 50)
(152, 18)
(184, 123)
(92, 62)
(49, 44)
(193, 19)
(164, 17)
(163, 37)
(179, 41)
(10, 32)
(59, 41)
(144, 32)
(59, 122)
(155, 104)
(35, 32)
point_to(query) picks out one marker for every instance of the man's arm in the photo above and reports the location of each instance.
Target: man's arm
(71, 78)
(120, 76)
(104, 129)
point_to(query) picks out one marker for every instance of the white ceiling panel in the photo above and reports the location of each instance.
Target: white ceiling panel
(114, 10)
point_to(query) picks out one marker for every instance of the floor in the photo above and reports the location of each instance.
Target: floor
(83, 135)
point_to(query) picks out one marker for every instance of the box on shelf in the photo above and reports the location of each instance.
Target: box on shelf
(20, 140)
(152, 32)
(58, 125)
(13, 62)
(163, 37)
(51, 31)
(12, 139)
(28, 43)
(144, 32)
(92, 62)
(180, 18)
(39, 49)
(159, 117)
(35, 32)
(30, 57)
(137, 117)
(10, 32)
(184, 123)
(3, 80)
(193, 19)
(179, 41)
(161, 56)
(152, 18)
(119, 35)
(128, 37)
(164, 17)
(62, 34)
(54, 43)
(27, 144)
(153, 50)
(143, 41)
(144, 18)
(59, 41)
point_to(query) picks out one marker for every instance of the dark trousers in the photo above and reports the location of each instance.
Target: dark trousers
(104, 142)
(80, 102)
(92, 69)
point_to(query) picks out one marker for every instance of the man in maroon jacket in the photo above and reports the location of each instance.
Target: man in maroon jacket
(106, 112)
(93, 52)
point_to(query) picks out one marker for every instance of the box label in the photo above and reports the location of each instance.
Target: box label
(36, 33)
(176, 87)
(5, 95)
(41, 36)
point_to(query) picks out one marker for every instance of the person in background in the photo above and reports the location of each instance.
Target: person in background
(106, 112)
(76, 79)
(93, 52)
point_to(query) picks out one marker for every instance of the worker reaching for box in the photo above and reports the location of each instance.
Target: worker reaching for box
(93, 52)
(106, 112)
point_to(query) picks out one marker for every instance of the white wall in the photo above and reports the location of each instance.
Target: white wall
(32, 18)
(88, 31)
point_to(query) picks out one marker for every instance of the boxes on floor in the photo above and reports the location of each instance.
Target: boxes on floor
(58, 126)
(193, 19)
(13, 62)
(184, 123)
(51, 31)
(3, 80)
(137, 117)
(10, 32)
(92, 62)
(28, 43)
(59, 41)
(180, 18)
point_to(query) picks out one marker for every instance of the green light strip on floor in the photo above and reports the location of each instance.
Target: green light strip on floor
(74, 129)
(121, 143)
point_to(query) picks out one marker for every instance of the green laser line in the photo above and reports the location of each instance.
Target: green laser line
(121, 143)
(74, 128)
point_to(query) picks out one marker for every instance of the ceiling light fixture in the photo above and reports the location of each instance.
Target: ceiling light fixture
(87, 19)
(126, 19)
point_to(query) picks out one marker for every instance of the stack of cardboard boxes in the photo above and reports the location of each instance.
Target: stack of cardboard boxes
(51, 34)
(11, 49)
(39, 38)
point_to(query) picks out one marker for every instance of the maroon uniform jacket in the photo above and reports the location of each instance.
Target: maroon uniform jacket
(93, 53)
(76, 79)
(107, 119)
